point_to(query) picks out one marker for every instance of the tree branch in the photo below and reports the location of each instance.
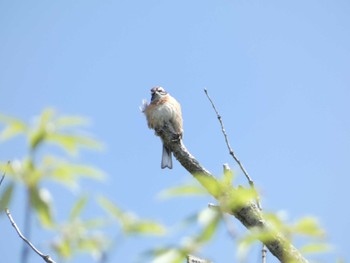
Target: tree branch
(249, 215)
(232, 153)
(4, 173)
(46, 258)
(234, 156)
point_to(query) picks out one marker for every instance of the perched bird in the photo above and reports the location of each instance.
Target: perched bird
(163, 111)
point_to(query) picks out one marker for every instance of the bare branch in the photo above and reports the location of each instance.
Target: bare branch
(46, 258)
(232, 153)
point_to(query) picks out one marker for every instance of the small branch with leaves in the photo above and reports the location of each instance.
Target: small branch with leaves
(248, 213)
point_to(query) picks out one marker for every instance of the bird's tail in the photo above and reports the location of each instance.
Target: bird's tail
(166, 158)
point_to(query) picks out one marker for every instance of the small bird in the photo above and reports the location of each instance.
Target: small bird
(163, 110)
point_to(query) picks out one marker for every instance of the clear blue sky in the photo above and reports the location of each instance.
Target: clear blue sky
(277, 70)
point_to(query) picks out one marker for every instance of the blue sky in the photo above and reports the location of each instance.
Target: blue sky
(277, 70)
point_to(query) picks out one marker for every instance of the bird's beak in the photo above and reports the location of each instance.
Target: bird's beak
(153, 93)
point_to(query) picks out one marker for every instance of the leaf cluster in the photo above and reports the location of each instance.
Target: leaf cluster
(76, 234)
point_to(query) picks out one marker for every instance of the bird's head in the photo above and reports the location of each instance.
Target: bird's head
(158, 93)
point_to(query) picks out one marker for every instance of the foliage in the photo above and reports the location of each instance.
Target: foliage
(231, 197)
(129, 222)
(207, 219)
(77, 234)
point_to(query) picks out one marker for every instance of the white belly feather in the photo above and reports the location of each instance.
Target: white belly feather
(163, 114)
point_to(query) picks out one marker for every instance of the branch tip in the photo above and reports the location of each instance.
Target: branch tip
(46, 258)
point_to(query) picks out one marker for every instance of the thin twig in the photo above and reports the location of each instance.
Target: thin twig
(2, 178)
(46, 258)
(227, 141)
(232, 153)
(264, 252)
(4, 173)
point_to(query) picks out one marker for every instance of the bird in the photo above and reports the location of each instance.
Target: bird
(163, 110)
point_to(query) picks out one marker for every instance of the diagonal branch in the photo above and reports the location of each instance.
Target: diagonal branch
(46, 258)
(249, 215)
(3, 174)
(232, 153)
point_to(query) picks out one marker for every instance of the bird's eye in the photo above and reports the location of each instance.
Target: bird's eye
(158, 90)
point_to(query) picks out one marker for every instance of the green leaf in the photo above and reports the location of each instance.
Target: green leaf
(184, 190)
(78, 207)
(67, 173)
(228, 176)
(129, 222)
(147, 227)
(274, 219)
(309, 226)
(71, 143)
(6, 196)
(46, 115)
(236, 198)
(64, 177)
(81, 236)
(71, 121)
(40, 199)
(13, 127)
(90, 244)
(43, 128)
(63, 248)
(126, 220)
(85, 171)
(6, 168)
(258, 234)
(316, 248)
(110, 207)
(210, 184)
(35, 138)
(94, 223)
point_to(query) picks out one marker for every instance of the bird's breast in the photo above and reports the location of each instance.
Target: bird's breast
(165, 111)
